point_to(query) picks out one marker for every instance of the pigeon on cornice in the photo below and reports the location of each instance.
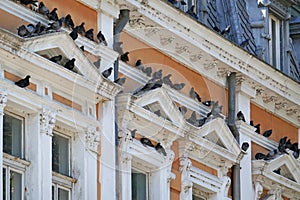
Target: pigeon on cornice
(69, 22)
(194, 94)
(157, 75)
(27, 2)
(70, 64)
(90, 34)
(74, 34)
(146, 142)
(124, 57)
(267, 133)
(22, 31)
(23, 82)
(207, 103)
(178, 86)
(80, 28)
(43, 9)
(120, 81)
(183, 110)
(106, 73)
(101, 38)
(160, 149)
(56, 59)
(167, 80)
(240, 116)
(53, 15)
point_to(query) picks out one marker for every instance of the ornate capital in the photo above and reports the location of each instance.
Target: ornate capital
(258, 189)
(47, 121)
(3, 100)
(226, 185)
(92, 139)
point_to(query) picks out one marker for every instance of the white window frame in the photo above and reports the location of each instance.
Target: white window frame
(58, 186)
(277, 41)
(22, 134)
(143, 171)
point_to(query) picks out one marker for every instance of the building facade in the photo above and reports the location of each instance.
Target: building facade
(75, 130)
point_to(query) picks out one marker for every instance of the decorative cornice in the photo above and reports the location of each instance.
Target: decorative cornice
(47, 121)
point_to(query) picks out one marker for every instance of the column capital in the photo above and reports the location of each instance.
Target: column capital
(3, 100)
(92, 139)
(47, 121)
(109, 8)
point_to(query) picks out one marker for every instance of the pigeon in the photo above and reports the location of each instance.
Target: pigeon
(257, 126)
(158, 113)
(101, 38)
(30, 28)
(69, 22)
(157, 75)
(160, 149)
(282, 145)
(70, 64)
(271, 155)
(106, 73)
(27, 2)
(251, 123)
(139, 65)
(124, 57)
(89, 34)
(216, 109)
(244, 43)
(56, 25)
(22, 31)
(260, 156)
(39, 28)
(74, 34)
(226, 30)
(277, 171)
(43, 9)
(82, 48)
(150, 85)
(132, 133)
(194, 94)
(202, 121)
(148, 71)
(267, 133)
(23, 82)
(215, 28)
(245, 146)
(80, 28)
(191, 12)
(294, 146)
(193, 119)
(182, 109)
(97, 63)
(120, 81)
(296, 154)
(207, 103)
(56, 58)
(52, 15)
(240, 116)
(146, 142)
(178, 86)
(167, 80)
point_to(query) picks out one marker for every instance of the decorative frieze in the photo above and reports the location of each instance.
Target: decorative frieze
(47, 121)
(165, 40)
(181, 48)
(196, 57)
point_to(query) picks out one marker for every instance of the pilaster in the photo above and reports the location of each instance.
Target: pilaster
(186, 182)
(47, 123)
(258, 190)
(3, 100)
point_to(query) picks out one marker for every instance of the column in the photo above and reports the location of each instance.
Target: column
(47, 123)
(186, 182)
(3, 100)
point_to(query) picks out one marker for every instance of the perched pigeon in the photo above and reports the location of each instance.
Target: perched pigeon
(90, 34)
(245, 146)
(146, 142)
(215, 28)
(182, 109)
(43, 9)
(260, 156)
(240, 116)
(39, 28)
(160, 149)
(178, 86)
(56, 58)
(277, 171)
(69, 22)
(207, 103)
(56, 25)
(70, 64)
(296, 154)
(148, 71)
(194, 94)
(167, 80)
(257, 126)
(80, 28)
(74, 34)
(97, 63)
(27, 2)
(106, 73)
(191, 12)
(82, 48)
(282, 145)
(53, 15)
(101, 38)
(193, 119)
(158, 113)
(216, 109)
(22, 31)
(150, 85)
(124, 57)
(202, 121)
(133, 133)
(251, 123)
(23, 82)
(139, 65)
(120, 81)
(226, 30)
(157, 75)
(30, 28)
(267, 133)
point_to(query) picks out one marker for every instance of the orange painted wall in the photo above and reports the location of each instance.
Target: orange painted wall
(15, 78)
(267, 121)
(180, 73)
(204, 167)
(257, 149)
(175, 185)
(12, 24)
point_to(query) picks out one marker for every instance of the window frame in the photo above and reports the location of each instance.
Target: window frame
(278, 38)
(7, 181)
(142, 171)
(58, 186)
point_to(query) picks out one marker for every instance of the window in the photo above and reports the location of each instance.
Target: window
(274, 43)
(60, 193)
(60, 154)
(139, 185)
(13, 135)
(197, 198)
(12, 184)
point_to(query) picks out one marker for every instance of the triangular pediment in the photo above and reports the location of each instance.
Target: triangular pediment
(217, 132)
(160, 103)
(289, 167)
(52, 44)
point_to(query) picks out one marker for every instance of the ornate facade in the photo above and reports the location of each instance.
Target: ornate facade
(171, 131)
